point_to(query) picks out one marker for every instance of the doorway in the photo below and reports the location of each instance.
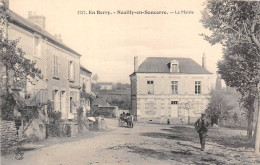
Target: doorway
(174, 109)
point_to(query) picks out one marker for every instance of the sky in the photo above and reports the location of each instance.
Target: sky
(109, 43)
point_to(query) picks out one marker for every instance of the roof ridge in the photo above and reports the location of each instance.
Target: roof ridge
(159, 65)
(25, 23)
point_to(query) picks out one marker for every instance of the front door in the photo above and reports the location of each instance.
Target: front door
(62, 102)
(174, 109)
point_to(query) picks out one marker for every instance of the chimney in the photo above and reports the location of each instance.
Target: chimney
(58, 37)
(135, 63)
(204, 61)
(37, 19)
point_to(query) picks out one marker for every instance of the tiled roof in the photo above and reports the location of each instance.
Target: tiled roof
(28, 25)
(161, 65)
(85, 69)
(101, 102)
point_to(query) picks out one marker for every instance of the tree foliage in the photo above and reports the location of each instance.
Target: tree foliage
(218, 107)
(13, 57)
(13, 61)
(236, 26)
(122, 103)
(95, 78)
(7, 107)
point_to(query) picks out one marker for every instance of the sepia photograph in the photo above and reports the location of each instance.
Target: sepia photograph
(96, 82)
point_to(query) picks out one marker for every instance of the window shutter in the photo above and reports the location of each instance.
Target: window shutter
(74, 70)
(68, 69)
(54, 63)
(57, 66)
(51, 63)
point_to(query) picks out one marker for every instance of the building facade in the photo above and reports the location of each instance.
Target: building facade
(106, 85)
(85, 84)
(174, 89)
(60, 65)
(85, 78)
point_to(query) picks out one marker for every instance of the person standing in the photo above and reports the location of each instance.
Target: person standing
(201, 126)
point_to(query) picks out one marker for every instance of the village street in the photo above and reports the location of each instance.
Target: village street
(143, 144)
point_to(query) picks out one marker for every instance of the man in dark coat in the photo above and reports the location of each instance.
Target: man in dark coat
(201, 126)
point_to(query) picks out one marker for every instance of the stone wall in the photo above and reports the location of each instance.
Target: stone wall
(8, 134)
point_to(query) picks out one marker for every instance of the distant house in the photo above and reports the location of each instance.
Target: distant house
(102, 107)
(60, 65)
(106, 85)
(85, 78)
(85, 84)
(170, 88)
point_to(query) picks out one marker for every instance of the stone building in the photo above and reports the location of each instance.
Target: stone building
(106, 85)
(170, 88)
(60, 65)
(85, 84)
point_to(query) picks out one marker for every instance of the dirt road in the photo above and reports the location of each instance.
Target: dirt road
(143, 144)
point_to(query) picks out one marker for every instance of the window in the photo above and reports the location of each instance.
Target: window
(174, 67)
(62, 101)
(197, 87)
(71, 105)
(37, 48)
(56, 99)
(174, 87)
(71, 70)
(73, 101)
(55, 66)
(150, 87)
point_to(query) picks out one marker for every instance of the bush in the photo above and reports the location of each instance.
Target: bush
(7, 107)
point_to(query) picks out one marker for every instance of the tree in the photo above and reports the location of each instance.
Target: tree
(236, 26)
(218, 106)
(13, 61)
(239, 69)
(95, 87)
(95, 78)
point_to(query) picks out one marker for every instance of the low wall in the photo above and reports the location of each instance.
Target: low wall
(8, 134)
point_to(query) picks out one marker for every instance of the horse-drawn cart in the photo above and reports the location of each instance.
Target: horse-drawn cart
(126, 119)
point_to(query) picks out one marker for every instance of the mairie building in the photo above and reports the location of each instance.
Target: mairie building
(170, 89)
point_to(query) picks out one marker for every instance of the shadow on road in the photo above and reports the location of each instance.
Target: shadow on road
(183, 133)
(182, 156)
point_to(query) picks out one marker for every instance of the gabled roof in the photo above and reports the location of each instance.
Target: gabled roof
(161, 65)
(101, 102)
(82, 68)
(28, 25)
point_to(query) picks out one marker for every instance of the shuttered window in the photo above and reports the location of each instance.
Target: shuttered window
(71, 70)
(56, 66)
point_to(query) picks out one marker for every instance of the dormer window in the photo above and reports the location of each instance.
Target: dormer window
(174, 66)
